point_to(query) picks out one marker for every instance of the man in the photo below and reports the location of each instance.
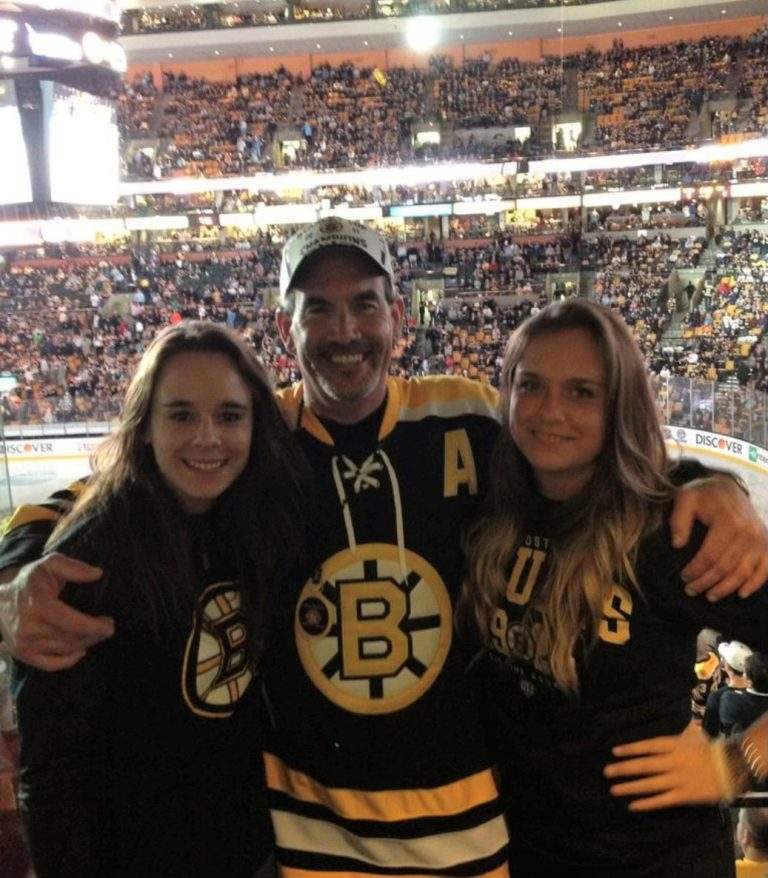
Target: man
(378, 763)
(752, 834)
(733, 656)
(739, 708)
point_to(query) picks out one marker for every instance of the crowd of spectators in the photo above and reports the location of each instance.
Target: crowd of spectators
(752, 89)
(510, 92)
(358, 117)
(503, 265)
(725, 326)
(647, 96)
(136, 101)
(73, 333)
(222, 128)
(648, 216)
(348, 116)
(656, 252)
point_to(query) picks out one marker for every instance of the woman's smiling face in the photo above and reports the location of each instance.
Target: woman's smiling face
(200, 427)
(557, 410)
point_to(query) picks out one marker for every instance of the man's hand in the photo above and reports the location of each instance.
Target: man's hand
(40, 629)
(666, 772)
(734, 554)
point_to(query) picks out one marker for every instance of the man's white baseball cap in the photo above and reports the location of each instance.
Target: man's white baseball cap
(329, 232)
(735, 654)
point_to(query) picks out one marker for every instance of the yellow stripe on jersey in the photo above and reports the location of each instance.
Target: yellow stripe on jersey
(290, 401)
(414, 399)
(30, 514)
(384, 805)
(440, 851)
(440, 396)
(291, 872)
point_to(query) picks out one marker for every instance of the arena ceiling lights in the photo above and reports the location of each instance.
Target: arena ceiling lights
(714, 152)
(749, 190)
(410, 175)
(422, 34)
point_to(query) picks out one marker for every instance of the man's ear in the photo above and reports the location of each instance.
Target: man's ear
(398, 317)
(284, 323)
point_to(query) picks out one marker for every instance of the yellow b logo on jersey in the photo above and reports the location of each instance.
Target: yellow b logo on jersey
(216, 671)
(371, 637)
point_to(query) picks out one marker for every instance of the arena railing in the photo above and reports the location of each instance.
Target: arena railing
(720, 407)
(724, 408)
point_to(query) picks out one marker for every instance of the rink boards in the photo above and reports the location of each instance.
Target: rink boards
(39, 466)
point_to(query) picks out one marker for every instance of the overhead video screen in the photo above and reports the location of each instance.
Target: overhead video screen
(107, 10)
(15, 182)
(82, 144)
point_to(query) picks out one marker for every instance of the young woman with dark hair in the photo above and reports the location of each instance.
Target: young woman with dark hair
(574, 589)
(145, 758)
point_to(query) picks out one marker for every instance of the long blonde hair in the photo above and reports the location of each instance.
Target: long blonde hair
(594, 537)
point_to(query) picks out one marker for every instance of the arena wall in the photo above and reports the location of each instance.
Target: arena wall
(38, 466)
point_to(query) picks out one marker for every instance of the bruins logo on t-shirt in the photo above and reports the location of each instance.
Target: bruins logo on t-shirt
(216, 671)
(371, 639)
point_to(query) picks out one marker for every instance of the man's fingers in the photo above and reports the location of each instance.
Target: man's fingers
(641, 786)
(57, 662)
(682, 517)
(648, 747)
(757, 580)
(633, 767)
(71, 624)
(732, 580)
(653, 803)
(716, 558)
(65, 569)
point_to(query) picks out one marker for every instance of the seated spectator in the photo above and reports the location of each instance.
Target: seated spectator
(734, 656)
(752, 835)
(740, 707)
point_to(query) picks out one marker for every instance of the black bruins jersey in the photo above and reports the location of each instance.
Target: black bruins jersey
(378, 763)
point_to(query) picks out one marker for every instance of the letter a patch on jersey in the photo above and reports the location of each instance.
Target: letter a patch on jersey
(371, 637)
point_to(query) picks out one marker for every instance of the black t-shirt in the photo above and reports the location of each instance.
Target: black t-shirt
(635, 683)
(739, 708)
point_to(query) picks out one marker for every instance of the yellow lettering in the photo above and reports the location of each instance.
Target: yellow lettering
(372, 643)
(459, 464)
(519, 589)
(617, 611)
(499, 632)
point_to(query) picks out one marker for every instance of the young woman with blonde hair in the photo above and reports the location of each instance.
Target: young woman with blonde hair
(573, 587)
(145, 757)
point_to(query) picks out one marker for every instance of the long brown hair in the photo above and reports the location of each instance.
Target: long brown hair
(260, 518)
(596, 534)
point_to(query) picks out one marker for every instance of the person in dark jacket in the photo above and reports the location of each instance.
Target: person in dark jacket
(145, 758)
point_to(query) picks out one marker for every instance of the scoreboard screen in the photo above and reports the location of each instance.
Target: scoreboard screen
(15, 182)
(82, 145)
(106, 10)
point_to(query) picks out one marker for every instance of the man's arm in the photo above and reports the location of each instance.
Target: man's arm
(688, 769)
(734, 554)
(37, 627)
